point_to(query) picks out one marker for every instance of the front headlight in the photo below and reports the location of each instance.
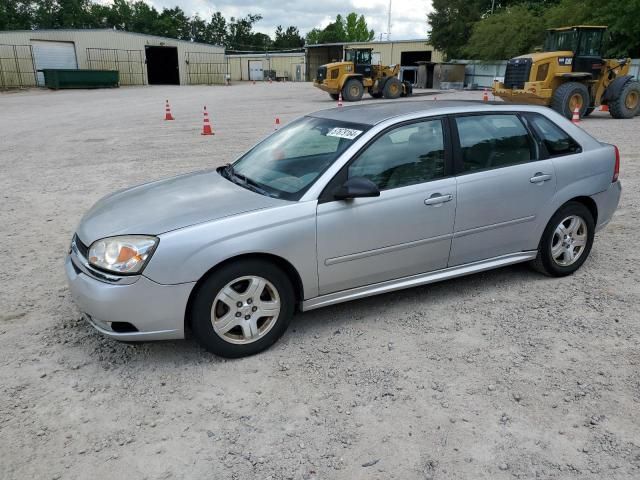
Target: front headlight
(125, 254)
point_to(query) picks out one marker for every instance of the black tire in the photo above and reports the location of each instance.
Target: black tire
(392, 88)
(408, 89)
(352, 90)
(544, 262)
(589, 111)
(202, 304)
(562, 97)
(334, 96)
(627, 104)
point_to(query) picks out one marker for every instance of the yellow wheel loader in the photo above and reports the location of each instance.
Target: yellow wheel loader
(356, 74)
(571, 73)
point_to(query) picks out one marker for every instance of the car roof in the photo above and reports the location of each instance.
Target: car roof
(377, 112)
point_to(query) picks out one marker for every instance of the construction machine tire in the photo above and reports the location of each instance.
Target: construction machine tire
(334, 96)
(407, 91)
(375, 94)
(568, 96)
(627, 104)
(392, 88)
(352, 90)
(589, 111)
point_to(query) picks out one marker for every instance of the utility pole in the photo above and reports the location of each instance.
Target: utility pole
(389, 22)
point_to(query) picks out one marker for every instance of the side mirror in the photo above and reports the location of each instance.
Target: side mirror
(356, 187)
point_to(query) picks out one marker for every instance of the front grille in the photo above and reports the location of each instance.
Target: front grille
(322, 74)
(517, 73)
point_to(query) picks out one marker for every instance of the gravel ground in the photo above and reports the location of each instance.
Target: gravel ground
(505, 374)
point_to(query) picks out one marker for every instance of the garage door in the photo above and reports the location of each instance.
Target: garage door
(53, 55)
(255, 70)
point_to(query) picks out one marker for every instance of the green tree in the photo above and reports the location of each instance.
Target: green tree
(16, 15)
(506, 34)
(289, 38)
(356, 29)
(217, 29)
(353, 29)
(240, 34)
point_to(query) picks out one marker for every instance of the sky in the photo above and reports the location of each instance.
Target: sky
(408, 17)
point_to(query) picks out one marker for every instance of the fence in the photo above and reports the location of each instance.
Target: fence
(130, 63)
(206, 68)
(17, 68)
(482, 74)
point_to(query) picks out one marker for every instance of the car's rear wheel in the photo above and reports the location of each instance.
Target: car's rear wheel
(566, 242)
(242, 308)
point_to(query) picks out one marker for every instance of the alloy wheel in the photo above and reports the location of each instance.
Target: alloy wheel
(569, 240)
(245, 310)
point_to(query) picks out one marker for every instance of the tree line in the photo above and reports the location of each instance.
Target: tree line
(470, 29)
(235, 33)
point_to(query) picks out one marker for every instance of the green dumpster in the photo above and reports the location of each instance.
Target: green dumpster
(67, 78)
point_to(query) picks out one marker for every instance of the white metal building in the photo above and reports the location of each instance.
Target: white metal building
(141, 59)
(261, 66)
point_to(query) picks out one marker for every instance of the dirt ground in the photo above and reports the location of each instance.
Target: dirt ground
(505, 374)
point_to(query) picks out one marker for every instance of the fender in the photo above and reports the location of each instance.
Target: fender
(615, 87)
(346, 78)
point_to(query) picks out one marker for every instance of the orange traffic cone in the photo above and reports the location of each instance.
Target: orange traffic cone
(206, 126)
(485, 96)
(604, 108)
(277, 124)
(340, 99)
(167, 111)
(270, 81)
(576, 116)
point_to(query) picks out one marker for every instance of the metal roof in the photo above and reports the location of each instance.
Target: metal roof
(122, 32)
(375, 113)
(341, 44)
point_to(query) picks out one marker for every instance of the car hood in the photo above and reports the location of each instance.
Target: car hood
(165, 205)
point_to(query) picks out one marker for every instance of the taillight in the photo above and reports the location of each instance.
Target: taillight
(616, 167)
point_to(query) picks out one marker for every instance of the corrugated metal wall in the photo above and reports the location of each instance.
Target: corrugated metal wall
(482, 74)
(390, 53)
(124, 51)
(284, 64)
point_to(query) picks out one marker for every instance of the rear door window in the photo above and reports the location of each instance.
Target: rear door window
(493, 141)
(556, 141)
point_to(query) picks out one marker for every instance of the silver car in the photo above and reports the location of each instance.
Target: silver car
(339, 205)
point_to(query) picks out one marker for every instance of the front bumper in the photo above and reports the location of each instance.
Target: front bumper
(532, 93)
(156, 311)
(325, 88)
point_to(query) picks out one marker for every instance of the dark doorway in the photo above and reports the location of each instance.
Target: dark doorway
(409, 59)
(162, 65)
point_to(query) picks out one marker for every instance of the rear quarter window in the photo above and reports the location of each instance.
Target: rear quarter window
(556, 141)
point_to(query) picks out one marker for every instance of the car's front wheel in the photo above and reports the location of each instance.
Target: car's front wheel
(566, 242)
(242, 308)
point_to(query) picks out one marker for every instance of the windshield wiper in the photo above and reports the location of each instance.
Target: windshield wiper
(244, 181)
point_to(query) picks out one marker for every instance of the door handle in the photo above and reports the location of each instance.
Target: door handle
(437, 199)
(540, 177)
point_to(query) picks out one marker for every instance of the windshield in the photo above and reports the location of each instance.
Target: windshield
(561, 40)
(288, 162)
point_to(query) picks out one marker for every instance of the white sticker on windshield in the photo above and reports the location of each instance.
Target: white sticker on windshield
(347, 133)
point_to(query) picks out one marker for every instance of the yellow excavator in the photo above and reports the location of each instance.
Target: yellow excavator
(356, 74)
(571, 73)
